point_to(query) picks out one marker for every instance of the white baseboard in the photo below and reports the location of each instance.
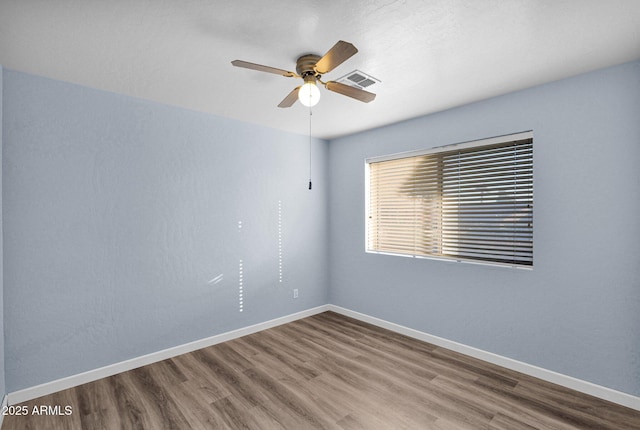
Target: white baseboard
(113, 369)
(5, 402)
(580, 385)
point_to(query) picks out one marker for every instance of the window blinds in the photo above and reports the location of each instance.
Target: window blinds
(473, 203)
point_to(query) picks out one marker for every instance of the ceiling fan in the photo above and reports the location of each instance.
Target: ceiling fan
(311, 68)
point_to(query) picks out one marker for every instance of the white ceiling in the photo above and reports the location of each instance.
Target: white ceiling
(430, 55)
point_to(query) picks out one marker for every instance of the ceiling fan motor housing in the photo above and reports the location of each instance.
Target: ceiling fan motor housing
(305, 66)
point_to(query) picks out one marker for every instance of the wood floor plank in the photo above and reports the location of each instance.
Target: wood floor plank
(280, 355)
(91, 399)
(200, 379)
(504, 422)
(502, 403)
(236, 382)
(293, 408)
(371, 408)
(327, 371)
(128, 404)
(231, 414)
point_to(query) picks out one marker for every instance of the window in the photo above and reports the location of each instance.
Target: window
(470, 202)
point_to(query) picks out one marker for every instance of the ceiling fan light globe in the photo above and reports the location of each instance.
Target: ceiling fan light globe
(309, 94)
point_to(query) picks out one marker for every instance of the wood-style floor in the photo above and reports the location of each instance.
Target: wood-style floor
(326, 371)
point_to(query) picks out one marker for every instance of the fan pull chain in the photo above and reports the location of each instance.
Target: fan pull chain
(310, 115)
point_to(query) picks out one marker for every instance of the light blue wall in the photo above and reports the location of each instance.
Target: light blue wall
(3, 390)
(119, 213)
(578, 311)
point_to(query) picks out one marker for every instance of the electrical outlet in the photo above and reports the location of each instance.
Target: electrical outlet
(295, 293)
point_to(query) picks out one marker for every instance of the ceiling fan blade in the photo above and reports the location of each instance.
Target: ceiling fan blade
(261, 68)
(337, 55)
(349, 91)
(290, 99)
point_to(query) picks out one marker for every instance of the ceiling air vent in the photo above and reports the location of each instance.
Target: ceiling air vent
(358, 79)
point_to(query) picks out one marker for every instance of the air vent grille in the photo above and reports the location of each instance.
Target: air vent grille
(358, 79)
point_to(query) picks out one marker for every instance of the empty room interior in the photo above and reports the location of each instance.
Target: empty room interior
(345, 215)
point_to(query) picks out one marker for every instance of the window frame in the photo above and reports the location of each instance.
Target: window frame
(435, 150)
